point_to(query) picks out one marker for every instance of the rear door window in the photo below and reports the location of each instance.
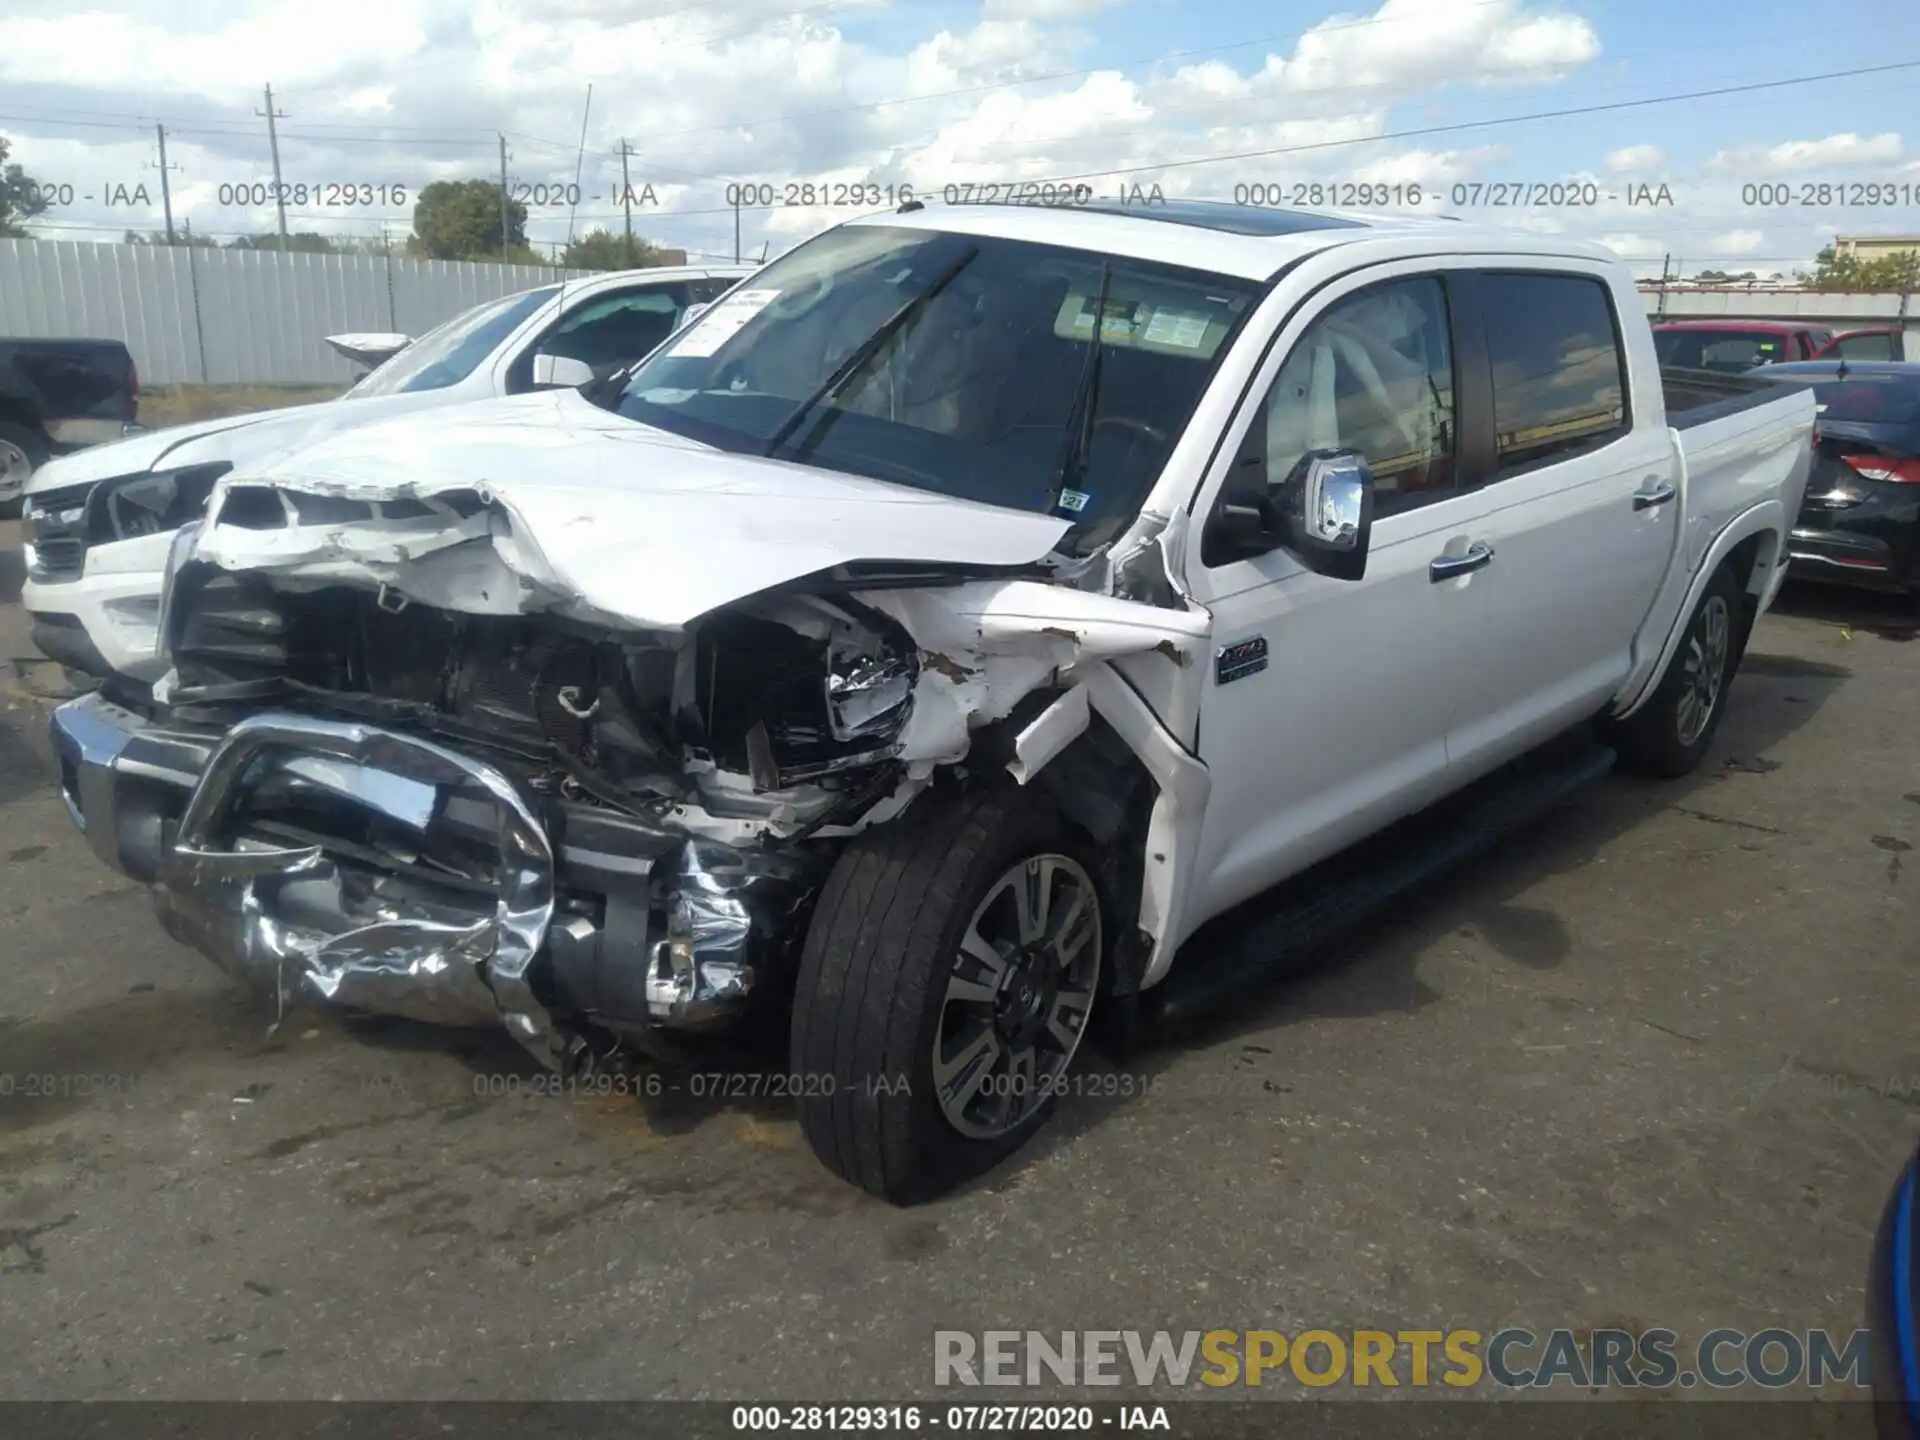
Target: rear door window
(1559, 370)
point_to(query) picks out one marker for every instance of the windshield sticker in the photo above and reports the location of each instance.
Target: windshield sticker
(1074, 500)
(1185, 328)
(724, 321)
(1118, 319)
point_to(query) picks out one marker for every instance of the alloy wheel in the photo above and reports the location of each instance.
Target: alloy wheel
(1705, 669)
(1018, 995)
(15, 465)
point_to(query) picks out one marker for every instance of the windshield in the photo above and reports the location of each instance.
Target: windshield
(447, 355)
(1729, 350)
(953, 363)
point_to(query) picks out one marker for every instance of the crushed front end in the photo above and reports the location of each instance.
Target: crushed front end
(592, 835)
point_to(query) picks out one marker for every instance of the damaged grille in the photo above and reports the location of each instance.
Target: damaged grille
(809, 697)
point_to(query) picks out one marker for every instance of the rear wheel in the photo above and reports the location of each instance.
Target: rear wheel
(1670, 734)
(946, 984)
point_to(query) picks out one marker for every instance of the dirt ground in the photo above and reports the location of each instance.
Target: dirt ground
(162, 406)
(1653, 1063)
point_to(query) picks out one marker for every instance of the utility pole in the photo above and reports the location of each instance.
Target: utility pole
(166, 190)
(506, 229)
(273, 143)
(626, 195)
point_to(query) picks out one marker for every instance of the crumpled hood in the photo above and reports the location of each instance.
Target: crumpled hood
(596, 515)
(237, 439)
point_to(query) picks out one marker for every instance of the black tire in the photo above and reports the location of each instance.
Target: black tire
(872, 988)
(1664, 738)
(30, 444)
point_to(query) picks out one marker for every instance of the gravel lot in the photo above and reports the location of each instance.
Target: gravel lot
(1654, 1063)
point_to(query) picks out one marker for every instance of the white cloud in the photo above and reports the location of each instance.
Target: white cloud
(1040, 9)
(1835, 152)
(405, 91)
(1736, 242)
(1408, 41)
(1634, 247)
(299, 43)
(1428, 167)
(993, 50)
(1636, 159)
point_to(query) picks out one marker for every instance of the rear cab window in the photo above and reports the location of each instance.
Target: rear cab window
(1728, 351)
(1874, 345)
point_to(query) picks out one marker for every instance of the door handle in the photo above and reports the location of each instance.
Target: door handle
(1659, 495)
(1479, 555)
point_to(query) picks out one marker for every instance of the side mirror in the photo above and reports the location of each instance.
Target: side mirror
(1325, 512)
(560, 372)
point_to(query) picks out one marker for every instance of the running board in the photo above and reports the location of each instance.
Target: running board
(1272, 936)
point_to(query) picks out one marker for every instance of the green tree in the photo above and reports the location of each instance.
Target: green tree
(460, 220)
(20, 196)
(158, 237)
(602, 249)
(1895, 274)
(308, 241)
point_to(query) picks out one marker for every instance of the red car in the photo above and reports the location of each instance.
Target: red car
(1739, 345)
(1736, 346)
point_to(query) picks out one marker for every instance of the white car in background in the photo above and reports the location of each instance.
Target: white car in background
(98, 524)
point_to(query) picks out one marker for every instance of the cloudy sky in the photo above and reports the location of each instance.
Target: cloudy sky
(1124, 95)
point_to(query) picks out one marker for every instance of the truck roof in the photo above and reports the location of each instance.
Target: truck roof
(1249, 241)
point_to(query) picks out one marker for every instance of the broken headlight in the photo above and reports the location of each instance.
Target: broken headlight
(150, 504)
(867, 694)
(812, 693)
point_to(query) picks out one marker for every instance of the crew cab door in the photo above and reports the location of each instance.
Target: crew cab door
(1584, 505)
(1327, 702)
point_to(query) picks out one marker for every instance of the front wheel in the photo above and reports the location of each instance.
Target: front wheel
(948, 975)
(1669, 735)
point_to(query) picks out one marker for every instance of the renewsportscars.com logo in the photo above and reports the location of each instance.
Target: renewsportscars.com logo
(1513, 1358)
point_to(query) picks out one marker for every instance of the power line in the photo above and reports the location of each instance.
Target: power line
(1568, 112)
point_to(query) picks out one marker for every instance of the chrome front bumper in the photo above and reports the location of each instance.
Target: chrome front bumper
(625, 925)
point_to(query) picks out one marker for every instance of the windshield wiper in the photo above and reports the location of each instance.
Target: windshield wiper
(845, 371)
(1086, 405)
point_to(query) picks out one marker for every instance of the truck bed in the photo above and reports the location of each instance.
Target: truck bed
(1696, 396)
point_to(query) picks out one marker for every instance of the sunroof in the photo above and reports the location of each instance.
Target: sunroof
(1219, 215)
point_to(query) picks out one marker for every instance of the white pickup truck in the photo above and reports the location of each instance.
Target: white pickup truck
(98, 524)
(935, 633)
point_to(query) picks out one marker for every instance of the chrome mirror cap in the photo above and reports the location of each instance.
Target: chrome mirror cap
(1335, 496)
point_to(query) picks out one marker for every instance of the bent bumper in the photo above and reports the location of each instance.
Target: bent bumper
(618, 925)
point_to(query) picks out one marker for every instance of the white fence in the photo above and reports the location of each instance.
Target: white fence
(1808, 307)
(192, 315)
(198, 316)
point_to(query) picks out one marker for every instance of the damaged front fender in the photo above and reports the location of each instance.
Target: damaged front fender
(985, 646)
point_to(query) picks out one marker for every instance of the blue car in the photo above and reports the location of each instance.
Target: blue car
(1893, 1310)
